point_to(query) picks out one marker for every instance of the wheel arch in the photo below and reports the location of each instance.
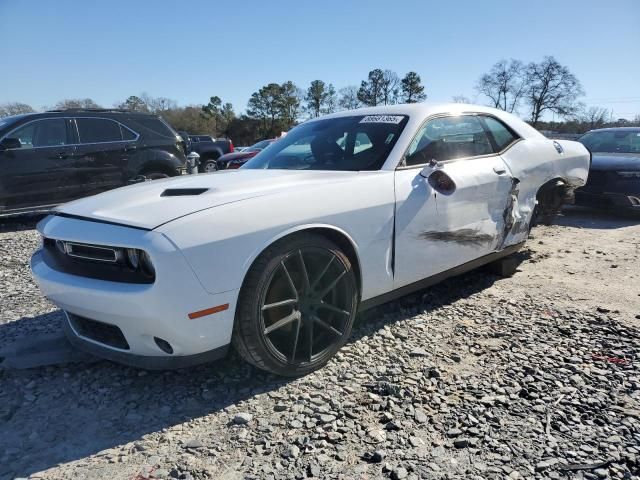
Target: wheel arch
(157, 166)
(337, 235)
(550, 197)
(213, 154)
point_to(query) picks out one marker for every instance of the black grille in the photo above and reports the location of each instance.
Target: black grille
(98, 331)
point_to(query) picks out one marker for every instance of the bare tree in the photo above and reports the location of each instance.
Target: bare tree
(593, 117)
(348, 99)
(14, 108)
(551, 87)
(390, 87)
(504, 85)
(460, 99)
(76, 103)
(158, 104)
(134, 104)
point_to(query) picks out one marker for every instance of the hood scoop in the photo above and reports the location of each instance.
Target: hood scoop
(183, 192)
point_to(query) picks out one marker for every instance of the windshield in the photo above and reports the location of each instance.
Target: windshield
(612, 141)
(344, 143)
(6, 121)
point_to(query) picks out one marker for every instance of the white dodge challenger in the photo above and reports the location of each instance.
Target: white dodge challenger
(345, 212)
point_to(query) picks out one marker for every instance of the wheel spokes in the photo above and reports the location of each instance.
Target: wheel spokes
(303, 272)
(328, 288)
(324, 270)
(295, 341)
(282, 303)
(325, 325)
(332, 308)
(282, 322)
(291, 284)
(310, 339)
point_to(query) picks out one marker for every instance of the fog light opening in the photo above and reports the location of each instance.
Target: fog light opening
(163, 345)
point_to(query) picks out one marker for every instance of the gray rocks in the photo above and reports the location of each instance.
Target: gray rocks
(472, 379)
(242, 418)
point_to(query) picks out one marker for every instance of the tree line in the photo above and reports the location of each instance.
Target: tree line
(533, 90)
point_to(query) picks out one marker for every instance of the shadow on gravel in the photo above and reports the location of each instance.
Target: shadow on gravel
(19, 223)
(583, 217)
(58, 414)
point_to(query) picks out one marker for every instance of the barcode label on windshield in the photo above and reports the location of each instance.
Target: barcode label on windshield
(395, 119)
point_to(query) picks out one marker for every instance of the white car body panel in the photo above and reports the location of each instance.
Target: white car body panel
(400, 229)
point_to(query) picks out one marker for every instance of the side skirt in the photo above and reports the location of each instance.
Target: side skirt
(437, 278)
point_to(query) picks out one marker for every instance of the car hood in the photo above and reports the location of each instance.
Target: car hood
(236, 156)
(151, 204)
(615, 161)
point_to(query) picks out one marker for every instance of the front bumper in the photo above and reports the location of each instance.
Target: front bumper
(143, 313)
(608, 200)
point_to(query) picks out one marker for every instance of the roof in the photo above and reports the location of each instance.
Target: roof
(427, 109)
(616, 129)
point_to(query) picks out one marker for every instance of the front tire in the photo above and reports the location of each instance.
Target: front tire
(155, 175)
(296, 306)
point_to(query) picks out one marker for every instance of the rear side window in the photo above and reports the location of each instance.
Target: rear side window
(501, 134)
(127, 134)
(448, 138)
(155, 126)
(98, 130)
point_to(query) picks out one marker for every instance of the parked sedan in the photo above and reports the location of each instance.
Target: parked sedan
(614, 176)
(345, 212)
(236, 159)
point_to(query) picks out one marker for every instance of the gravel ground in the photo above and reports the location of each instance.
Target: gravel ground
(533, 376)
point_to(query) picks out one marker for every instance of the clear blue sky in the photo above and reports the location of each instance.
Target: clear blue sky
(190, 50)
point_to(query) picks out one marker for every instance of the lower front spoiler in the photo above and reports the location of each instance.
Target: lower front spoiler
(142, 361)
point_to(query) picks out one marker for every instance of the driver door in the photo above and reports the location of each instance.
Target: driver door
(451, 197)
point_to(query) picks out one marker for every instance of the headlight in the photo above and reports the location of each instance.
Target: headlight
(133, 259)
(145, 264)
(120, 264)
(629, 174)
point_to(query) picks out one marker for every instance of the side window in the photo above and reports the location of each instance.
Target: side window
(155, 125)
(126, 133)
(25, 135)
(97, 130)
(501, 134)
(448, 138)
(43, 133)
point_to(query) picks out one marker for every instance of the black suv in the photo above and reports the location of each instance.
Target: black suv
(53, 157)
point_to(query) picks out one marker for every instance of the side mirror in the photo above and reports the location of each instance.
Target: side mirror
(10, 143)
(430, 167)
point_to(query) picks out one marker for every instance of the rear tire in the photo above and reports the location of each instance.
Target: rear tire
(296, 306)
(210, 166)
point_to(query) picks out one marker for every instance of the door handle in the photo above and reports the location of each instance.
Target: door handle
(500, 170)
(129, 148)
(63, 155)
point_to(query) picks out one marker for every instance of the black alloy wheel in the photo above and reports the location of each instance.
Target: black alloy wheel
(297, 306)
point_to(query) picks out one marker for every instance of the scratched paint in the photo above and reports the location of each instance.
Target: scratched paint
(463, 236)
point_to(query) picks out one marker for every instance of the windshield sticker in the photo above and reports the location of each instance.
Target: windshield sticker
(395, 119)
